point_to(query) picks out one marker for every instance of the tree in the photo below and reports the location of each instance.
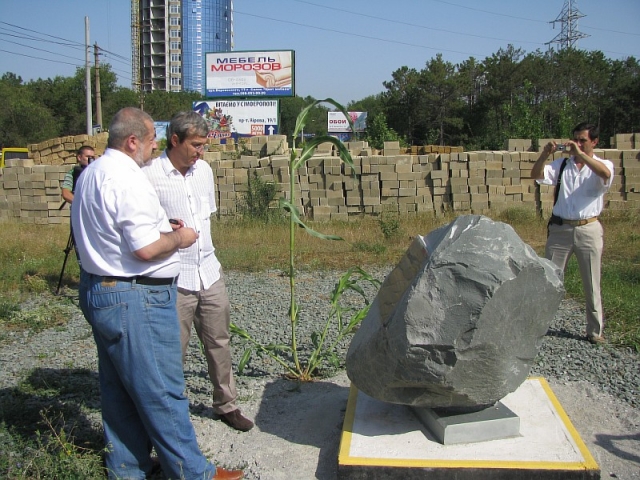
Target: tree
(441, 91)
(378, 132)
(23, 119)
(162, 105)
(404, 103)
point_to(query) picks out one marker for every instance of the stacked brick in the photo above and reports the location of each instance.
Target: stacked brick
(518, 145)
(327, 189)
(625, 141)
(62, 150)
(31, 193)
(631, 177)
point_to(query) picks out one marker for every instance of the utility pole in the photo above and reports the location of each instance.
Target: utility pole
(98, 97)
(87, 77)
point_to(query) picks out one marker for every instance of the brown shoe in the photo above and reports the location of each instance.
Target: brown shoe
(596, 340)
(236, 420)
(222, 474)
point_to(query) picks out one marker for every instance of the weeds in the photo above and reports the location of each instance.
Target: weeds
(258, 201)
(389, 224)
(50, 455)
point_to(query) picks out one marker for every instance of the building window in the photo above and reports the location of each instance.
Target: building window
(175, 46)
(174, 33)
(175, 69)
(174, 21)
(175, 82)
(175, 57)
(174, 8)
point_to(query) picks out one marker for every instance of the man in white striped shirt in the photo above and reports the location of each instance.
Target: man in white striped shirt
(184, 183)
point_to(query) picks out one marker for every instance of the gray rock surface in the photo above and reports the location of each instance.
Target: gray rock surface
(458, 323)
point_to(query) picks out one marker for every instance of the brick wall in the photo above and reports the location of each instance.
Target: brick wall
(325, 188)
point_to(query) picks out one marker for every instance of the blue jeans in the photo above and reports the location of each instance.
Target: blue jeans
(136, 330)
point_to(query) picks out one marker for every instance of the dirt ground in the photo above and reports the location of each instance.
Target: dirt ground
(298, 429)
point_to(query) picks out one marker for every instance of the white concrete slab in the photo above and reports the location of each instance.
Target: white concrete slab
(376, 433)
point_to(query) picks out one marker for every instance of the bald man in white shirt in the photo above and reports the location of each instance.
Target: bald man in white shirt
(128, 294)
(574, 227)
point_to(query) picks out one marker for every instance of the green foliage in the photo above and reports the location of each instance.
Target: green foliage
(477, 104)
(366, 247)
(163, 105)
(51, 454)
(290, 108)
(7, 309)
(389, 224)
(258, 201)
(378, 132)
(519, 216)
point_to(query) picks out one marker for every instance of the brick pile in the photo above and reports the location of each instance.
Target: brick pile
(327, 189)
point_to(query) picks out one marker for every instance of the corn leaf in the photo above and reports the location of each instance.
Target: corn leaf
(295, 216)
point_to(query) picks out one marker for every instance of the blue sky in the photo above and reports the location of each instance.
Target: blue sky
(344, 50)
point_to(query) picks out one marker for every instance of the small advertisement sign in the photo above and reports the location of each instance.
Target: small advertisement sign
(250, 74)
(338, 123)
(239, 118)
(161, 130)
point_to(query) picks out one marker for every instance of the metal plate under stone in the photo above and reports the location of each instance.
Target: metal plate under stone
(491, 423)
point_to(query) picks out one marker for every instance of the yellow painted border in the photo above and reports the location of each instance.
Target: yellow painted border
(344, 457)
(589, 461)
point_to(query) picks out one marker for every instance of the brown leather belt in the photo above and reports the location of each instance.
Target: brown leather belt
(555, 220)
(142, 280)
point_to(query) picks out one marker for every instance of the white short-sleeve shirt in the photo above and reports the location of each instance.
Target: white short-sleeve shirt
(581, 193)
(115, 212)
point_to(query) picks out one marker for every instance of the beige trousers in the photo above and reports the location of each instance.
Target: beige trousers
(209, 311)
(586, 242)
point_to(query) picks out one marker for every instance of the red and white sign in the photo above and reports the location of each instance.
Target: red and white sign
(338, 123)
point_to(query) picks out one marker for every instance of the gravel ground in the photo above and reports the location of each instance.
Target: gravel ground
(298, 427)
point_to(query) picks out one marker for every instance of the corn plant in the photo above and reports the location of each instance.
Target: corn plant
(322, 350)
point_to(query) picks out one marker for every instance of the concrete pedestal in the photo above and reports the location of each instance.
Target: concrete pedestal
(383, 440)
(493, 423)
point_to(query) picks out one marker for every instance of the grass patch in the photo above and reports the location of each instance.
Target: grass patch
(33, 446)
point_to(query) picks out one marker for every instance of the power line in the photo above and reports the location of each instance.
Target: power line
(355, 34)
(521, 18)
(414, 24)
(69, 43)
(40, 33)
(40, 49)
(40, 58)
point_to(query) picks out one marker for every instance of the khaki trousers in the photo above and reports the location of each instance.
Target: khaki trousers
(586, 242)
(208, 310)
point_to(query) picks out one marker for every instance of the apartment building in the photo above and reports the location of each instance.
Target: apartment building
(169, 40)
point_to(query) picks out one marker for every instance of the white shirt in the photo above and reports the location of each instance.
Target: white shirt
(190, 198)
(115, 212)
(581, 191)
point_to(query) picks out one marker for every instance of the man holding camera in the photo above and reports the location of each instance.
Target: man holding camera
(581, 181)
(85, 156)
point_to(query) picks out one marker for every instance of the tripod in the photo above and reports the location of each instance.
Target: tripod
(70, 246)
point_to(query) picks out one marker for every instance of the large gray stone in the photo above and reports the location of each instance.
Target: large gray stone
(458, 322)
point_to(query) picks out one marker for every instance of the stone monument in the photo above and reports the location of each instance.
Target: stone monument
(458, 322)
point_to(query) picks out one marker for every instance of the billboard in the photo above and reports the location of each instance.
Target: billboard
(239, 118)
(338, 123)
(161, 130)
(250, 74)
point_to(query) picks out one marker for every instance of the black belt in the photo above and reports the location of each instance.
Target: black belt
(555, 220)
(142, 280)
